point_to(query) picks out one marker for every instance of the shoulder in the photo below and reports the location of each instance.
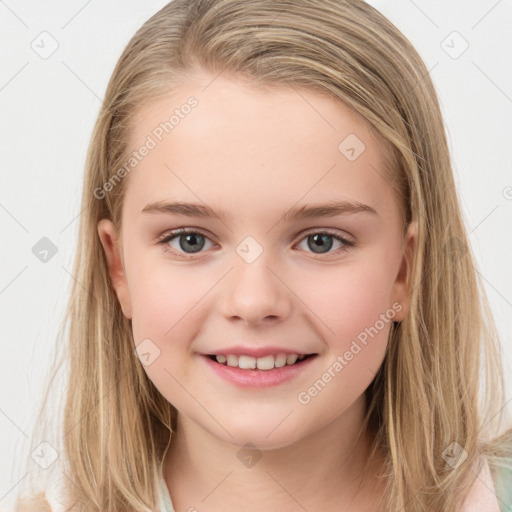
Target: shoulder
(52, 498)
(482, 493)
(33, 503)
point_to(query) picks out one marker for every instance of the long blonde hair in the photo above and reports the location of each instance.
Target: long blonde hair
(428, 393)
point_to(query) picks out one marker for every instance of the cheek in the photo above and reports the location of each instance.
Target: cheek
(344, 304)
(349, 299)
(170, 305)
(165, 299)
(354, 312)
(167, 302)
(355, 316)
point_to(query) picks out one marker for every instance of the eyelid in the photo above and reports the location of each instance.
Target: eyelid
(173, 233)
(346, 237)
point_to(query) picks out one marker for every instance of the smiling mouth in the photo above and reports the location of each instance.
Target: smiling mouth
(260, 364)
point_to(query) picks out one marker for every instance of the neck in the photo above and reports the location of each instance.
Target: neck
(326, 468)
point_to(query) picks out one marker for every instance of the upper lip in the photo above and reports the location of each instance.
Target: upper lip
(240, 350)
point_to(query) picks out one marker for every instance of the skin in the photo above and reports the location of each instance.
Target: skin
(257, 153)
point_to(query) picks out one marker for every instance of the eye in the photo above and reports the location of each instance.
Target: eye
(322, 241)
(188, 240)
(192, 241)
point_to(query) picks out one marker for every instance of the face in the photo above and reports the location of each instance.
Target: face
(260, 275)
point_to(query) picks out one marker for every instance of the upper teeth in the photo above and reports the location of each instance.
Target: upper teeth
(262, 363)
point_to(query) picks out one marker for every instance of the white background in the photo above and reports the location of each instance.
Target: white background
(48, 109)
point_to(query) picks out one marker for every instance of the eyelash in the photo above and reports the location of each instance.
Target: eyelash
(167, 237)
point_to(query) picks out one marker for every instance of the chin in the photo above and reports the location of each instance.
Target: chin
(258, 435)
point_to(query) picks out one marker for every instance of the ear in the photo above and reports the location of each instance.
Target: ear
(401, 291)
(111, 246)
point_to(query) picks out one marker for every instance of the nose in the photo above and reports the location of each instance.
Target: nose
(255, 293)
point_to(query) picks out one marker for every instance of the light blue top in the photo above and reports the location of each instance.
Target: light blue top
(503, 486)
(165, 498)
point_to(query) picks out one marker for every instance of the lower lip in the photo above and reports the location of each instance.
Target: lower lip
(259, 378)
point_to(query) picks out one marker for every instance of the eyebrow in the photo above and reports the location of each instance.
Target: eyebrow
(309, 211)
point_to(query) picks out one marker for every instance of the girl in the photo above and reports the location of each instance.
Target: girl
(275, 305)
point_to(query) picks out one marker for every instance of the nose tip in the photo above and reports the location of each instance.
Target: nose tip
(255, 294)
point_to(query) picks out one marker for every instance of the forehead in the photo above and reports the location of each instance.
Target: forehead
(225, 142)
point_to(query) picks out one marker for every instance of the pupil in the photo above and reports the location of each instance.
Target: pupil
(190, 241)
(320, 241)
